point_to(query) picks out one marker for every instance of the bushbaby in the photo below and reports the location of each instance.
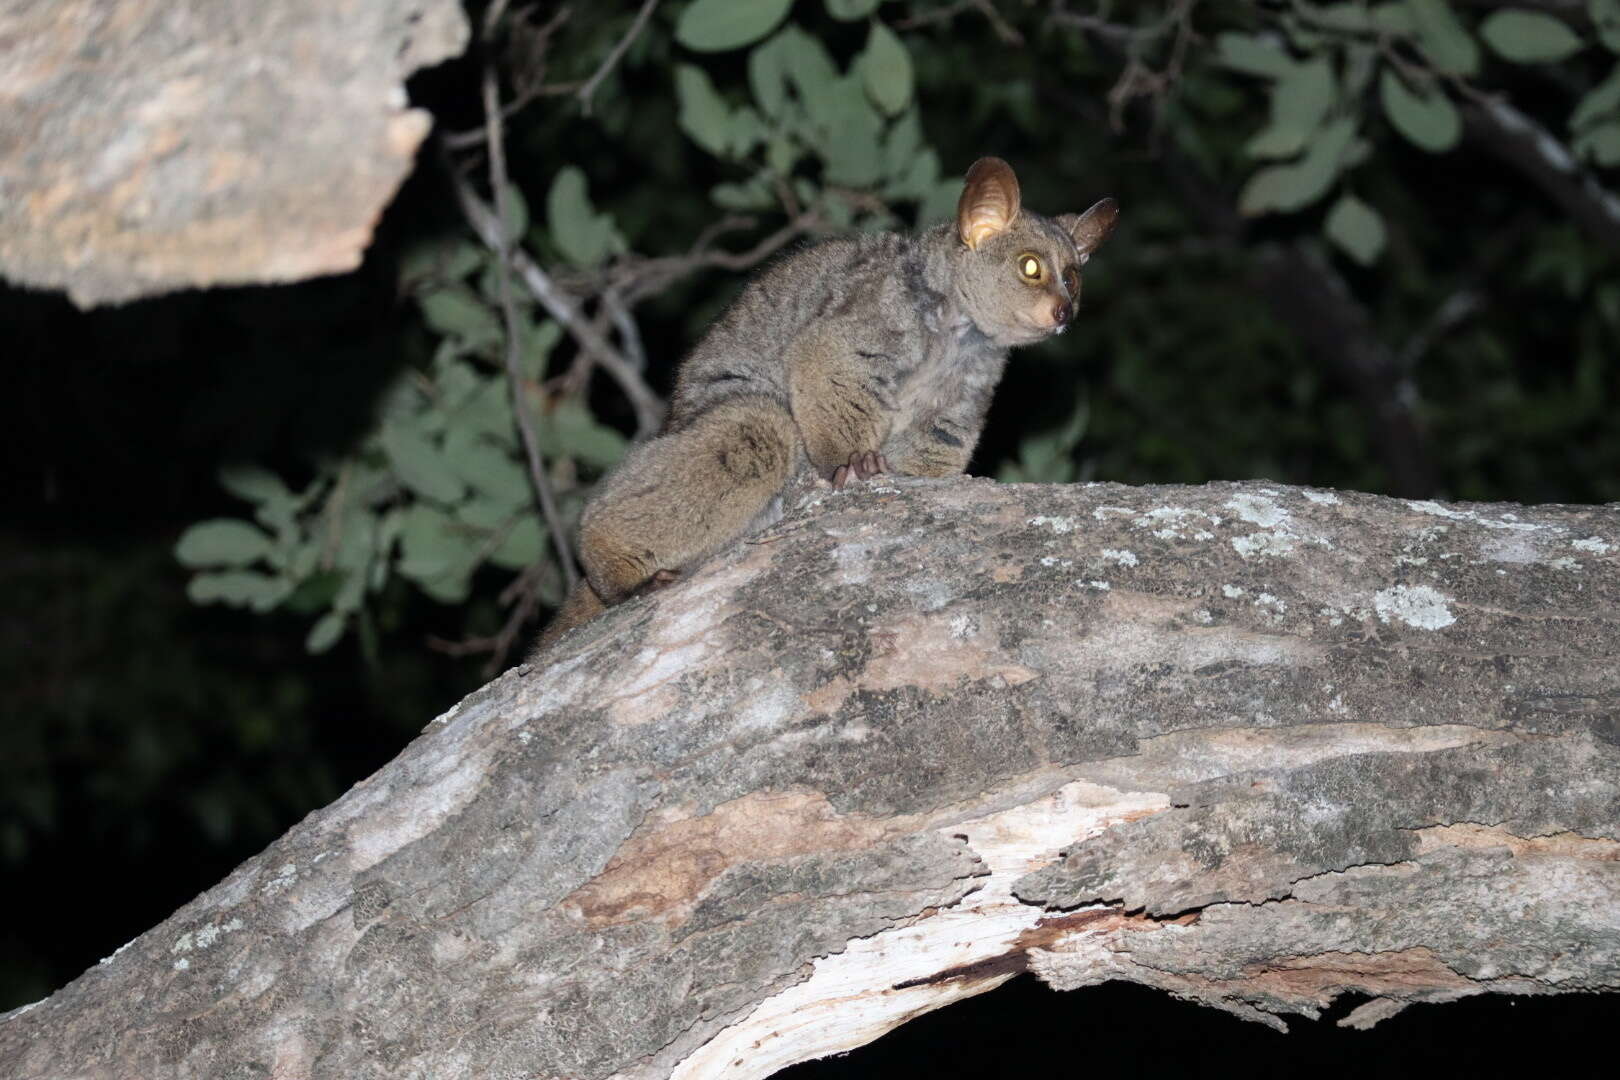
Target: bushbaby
(859, 355)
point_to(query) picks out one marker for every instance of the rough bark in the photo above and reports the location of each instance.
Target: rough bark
(1251, 744)
(151, 145)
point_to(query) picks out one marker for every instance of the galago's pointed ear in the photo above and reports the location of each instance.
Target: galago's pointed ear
(1091, 228)
(989, 203)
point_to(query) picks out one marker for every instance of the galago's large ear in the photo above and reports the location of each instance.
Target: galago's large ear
(989, 203)
(1091, 228)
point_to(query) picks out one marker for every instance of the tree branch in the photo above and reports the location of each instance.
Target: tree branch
(509, 319)
(1256, 746)
(648, 406)
(1534, 151)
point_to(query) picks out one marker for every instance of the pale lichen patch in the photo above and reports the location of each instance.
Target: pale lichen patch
(1123, 558)
(1258, 510)
(1275, 545)
(1057, 524)
(1507, 521)
(1594, 544)
(1322, 498)
(195, 940)
(1414, 605)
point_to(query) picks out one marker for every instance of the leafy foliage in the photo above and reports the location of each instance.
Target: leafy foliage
(1295, 125)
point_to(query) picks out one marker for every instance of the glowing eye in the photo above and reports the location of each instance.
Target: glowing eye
(1071, 280)
(1030, 267)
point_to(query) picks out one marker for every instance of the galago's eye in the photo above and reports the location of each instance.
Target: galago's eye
(1030, 266)
(1071, 280)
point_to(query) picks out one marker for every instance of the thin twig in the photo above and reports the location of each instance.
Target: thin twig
(585, 92)
(987, 8)
(625, 324)
(648, 407)
(514, 374)
(538, 41)
(524, 595)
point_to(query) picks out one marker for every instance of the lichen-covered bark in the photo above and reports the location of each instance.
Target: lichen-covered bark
(152, 145)
(1251, 744)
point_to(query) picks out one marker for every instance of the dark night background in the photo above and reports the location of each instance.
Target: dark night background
(149, 744)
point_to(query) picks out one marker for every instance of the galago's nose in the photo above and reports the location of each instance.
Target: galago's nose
(1060, 314)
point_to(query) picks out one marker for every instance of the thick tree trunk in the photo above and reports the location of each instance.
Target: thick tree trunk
(1250, 744)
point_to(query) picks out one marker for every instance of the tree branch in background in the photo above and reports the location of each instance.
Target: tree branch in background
(1310, 297)
(529, 75)
(509, 318)
(1003, 29)
(1546, 162)
(584, 93)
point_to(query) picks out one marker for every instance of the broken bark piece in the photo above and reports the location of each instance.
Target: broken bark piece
(155, 145)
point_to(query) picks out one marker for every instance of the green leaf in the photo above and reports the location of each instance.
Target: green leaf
(704, 114)
(1529, 37)
(489, 412)
(1600, 144)
(1443, 39)
(584, 237)
(1293, 187)
(1300, 101)
(485, 466)
(221, 542)
(517, 214)
(940, 205)
(1429, 121)
(237, 588)
(1252, 55)
(810, 68)
(325, 633)
(920, 178)
(768, 73)
(1349, 17)
(850, 10)
(885, 69)
(444, 258)
(753, 194)
(781, 154)
(254, 484)
(849, 134)
(1357, 228)
(1606, 19)
(456, 311)
(570, 429)
(419, 464)
(535, 342)
(429, 543)
(717, 25)
(1393, 18)
(523, 546)
(902, 143)
(746, 131)
(1602, 99)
